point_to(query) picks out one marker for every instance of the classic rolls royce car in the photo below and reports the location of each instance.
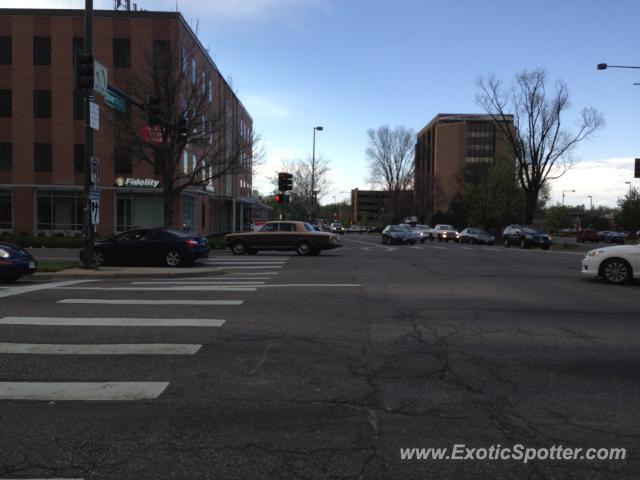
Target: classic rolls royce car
(282, 235)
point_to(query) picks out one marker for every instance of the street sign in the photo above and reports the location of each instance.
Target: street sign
(100, 78)
(95, 170)
(95, 212)
(94, 115)
(115, 101)
(152, 135)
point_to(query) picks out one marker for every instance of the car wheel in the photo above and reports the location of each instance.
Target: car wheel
(523, 244)
(303, 248)
(506, 243)
(238, 247)
(9, 278)
(172, 259)
(98, 258)
(545, 247)
(616, 270)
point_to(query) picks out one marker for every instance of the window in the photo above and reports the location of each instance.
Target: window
(78, 158)
(6, 220)
(269, 227)
(77, 47)
(210, 91)
(121, 52)
(122, 160)
(161, 52)
(42, 50)
(42, 156)
(194, 74)
(5, 103)
(42, 103)
(185, 162)
(5, 50)
(203, 84)
(6, 156)
(184, 61)
(78, 105)
(287, 227)
(59, 211)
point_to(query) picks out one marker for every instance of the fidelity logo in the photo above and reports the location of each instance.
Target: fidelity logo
(137, 182)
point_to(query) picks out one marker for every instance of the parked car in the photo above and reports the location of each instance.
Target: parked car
(421, 230)
(355, 229)
(336, 228)
(375, 230)
(398, 234)
(15, 262)
(297, 236)
(616, 264)
(614, 237)
(587, 235)
(476, 236)
(150, 246)
(443, 232)
(526, 237)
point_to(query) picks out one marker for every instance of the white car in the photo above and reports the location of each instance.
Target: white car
(617, 264)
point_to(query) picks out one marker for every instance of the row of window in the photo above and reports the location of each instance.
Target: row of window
(42, 50)
(43, 158)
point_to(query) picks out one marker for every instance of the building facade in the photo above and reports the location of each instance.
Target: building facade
(42, 127)
(449, 150)
(379, 207)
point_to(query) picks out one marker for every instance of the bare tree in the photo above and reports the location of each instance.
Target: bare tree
(391, 158)
(541, 144)
(302, 195)
(211, 147)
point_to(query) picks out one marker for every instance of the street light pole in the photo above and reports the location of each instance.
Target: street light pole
(590, 202)
(88, 255)
(628, 183)
(313, 172)
(563, 195)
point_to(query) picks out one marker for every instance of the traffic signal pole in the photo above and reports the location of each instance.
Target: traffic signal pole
(88, 260)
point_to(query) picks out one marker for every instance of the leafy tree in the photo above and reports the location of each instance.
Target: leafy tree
(629, 214)
(541, 144)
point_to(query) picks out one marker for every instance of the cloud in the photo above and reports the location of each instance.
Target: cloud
(262, 107)
(604, 180)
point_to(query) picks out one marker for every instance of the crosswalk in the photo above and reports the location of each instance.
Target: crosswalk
(241, 275)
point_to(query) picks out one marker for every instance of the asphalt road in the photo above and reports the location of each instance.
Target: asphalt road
(325, 370)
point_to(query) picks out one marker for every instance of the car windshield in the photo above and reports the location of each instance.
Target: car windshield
(446, 227)
(308, 227)
(531, 231)
(398, 228)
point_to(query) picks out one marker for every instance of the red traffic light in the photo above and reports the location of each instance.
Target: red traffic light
(279, 198)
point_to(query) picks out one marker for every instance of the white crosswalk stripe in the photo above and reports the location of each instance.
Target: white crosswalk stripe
(100, 349)
(81, 391)
(113, 322)
(101, 301)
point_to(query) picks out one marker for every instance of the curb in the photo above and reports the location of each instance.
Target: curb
(126, 273)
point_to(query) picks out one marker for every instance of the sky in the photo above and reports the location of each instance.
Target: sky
(352, 65)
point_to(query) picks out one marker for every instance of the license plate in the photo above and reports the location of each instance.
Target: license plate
(32, 264)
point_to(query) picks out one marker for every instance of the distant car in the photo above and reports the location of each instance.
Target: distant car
(587, 235)
(444, 233)
(150, 246)
(355, 229)
(614, 237)
(525, 237)
(336, 228)
(421, 230)
(616, 264)
(297, 236)
(476, 236)
(375, 230)
(15, 262)
(398, 234)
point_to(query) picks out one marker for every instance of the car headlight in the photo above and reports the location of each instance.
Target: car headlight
(595, 253)
(4, 253)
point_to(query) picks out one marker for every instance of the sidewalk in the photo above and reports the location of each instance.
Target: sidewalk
(128, 272)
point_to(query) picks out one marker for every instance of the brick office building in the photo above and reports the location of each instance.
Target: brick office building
(450, 147)
(42, 134)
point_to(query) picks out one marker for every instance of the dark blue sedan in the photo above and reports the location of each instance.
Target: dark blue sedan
(15, 262)
(158, 246)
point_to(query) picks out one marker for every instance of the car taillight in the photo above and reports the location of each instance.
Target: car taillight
(191, 243)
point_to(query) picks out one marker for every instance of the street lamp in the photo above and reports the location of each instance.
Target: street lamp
(313, 172)
(563, 195)
(590, 202)
(628, 183)
(604, 66)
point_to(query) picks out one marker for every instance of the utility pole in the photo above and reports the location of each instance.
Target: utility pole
(88, 260)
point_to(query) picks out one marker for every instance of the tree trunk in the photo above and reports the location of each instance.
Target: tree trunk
(531, 205)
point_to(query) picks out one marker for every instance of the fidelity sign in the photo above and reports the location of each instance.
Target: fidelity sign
(137, 182)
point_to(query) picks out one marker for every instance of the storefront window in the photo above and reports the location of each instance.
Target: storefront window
(59, 211)
(6, 218)
(138, 210)
(188, 213)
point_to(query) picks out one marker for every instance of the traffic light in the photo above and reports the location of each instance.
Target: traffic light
(279, 198)
(288, 184)
(182, 129)
(84, 72)
(153, 110)
(282, 181)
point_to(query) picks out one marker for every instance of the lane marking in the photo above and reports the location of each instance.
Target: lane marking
(182, 289)
(202, 282)
(100, 301)
(81, 391)
(33, 288)
(99, 349)
(245, 267)
(390, 249)
(113, 322)
(245, 263)
(439, 248)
